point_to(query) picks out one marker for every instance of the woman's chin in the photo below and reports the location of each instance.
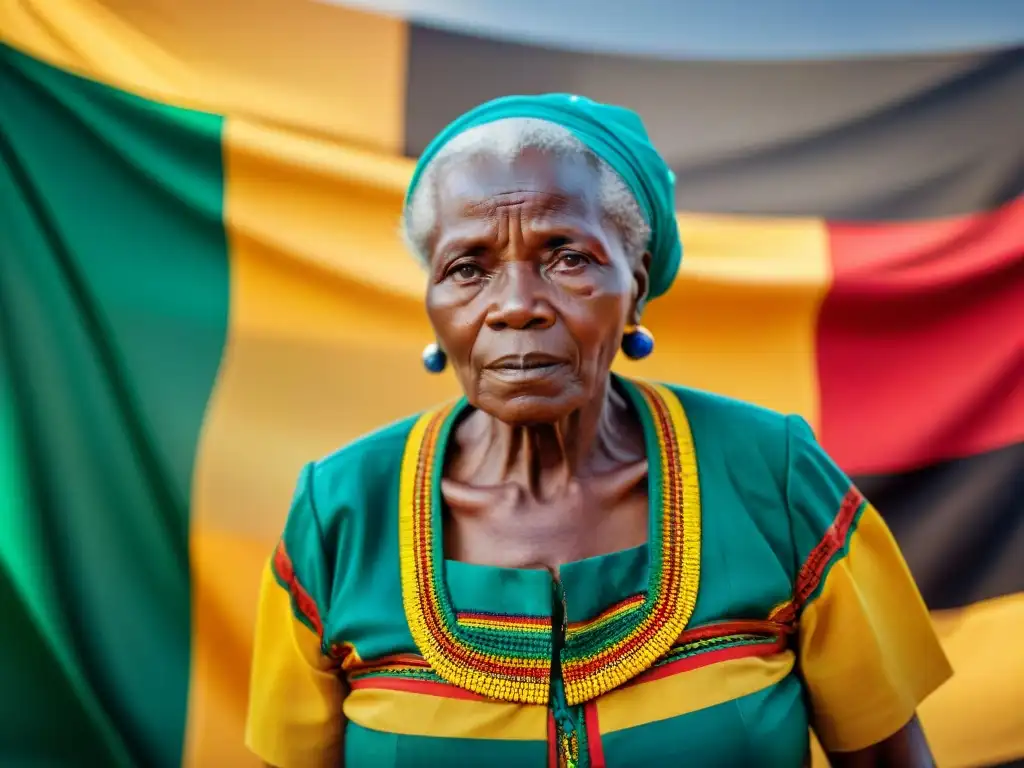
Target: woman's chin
(530, 400)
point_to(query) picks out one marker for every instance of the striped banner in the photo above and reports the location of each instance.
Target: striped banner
(202, 287)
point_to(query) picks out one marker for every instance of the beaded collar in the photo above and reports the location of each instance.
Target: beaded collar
(507, 659)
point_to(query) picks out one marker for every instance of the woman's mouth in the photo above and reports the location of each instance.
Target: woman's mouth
(532, 361)
(532, 366)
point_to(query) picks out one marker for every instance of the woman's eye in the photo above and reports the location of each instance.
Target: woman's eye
(465, 272)
(571, 260)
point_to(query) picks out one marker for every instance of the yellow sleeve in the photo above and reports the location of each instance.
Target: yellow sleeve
(868, 652)
(295, 695)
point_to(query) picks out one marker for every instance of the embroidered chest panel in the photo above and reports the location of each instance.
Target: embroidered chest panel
(509, 658)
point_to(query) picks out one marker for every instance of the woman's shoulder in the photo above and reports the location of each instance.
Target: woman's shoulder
(736, 432)
(361, 476)
(743, 457)
(337, 530)
(725, 414)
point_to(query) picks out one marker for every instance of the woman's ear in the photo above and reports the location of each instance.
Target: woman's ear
(641, 286)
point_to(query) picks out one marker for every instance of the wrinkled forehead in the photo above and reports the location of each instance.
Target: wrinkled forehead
(540, 183)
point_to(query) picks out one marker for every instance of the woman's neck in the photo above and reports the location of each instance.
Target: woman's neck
(542, 459)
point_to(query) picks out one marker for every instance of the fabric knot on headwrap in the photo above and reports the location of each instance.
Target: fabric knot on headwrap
(617, 136)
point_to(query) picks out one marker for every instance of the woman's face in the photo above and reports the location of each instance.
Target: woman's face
(529, 286)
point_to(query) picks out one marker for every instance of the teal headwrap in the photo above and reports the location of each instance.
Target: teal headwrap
(617, 136)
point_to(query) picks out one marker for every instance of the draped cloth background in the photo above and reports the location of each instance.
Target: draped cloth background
(202, 288)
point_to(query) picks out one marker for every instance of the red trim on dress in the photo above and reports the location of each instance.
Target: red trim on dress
(304, 602)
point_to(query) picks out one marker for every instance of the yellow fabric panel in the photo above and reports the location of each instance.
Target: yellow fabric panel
(978, 717)
(420, 714)
(742, 317)
(226, 573)
(295, 697)
(868, 651)
(311, 67)
(685, 692)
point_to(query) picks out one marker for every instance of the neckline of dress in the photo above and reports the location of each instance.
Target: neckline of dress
(507, 657)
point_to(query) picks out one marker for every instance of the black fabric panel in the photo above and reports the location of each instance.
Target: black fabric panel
(960, 524)
(872, 139)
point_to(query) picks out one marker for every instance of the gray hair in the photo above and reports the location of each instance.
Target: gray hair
(506, 140)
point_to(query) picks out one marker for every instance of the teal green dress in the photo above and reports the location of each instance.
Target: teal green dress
(769, 598)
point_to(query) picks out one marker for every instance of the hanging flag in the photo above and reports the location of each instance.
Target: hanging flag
(202, 288)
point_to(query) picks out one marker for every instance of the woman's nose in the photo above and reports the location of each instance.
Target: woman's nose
(519, 302)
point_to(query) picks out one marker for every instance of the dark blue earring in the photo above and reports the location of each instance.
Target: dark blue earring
(434, 358)
(637, 342)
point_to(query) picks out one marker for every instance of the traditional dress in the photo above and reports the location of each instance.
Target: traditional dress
(770, 596)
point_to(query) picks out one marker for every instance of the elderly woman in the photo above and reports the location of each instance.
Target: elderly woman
(567, 567)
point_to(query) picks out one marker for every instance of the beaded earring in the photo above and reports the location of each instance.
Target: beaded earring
(637, 342)
(434, 358)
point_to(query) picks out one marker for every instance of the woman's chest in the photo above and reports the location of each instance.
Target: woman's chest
(721, 691)
(737, 564)
(527, 533)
